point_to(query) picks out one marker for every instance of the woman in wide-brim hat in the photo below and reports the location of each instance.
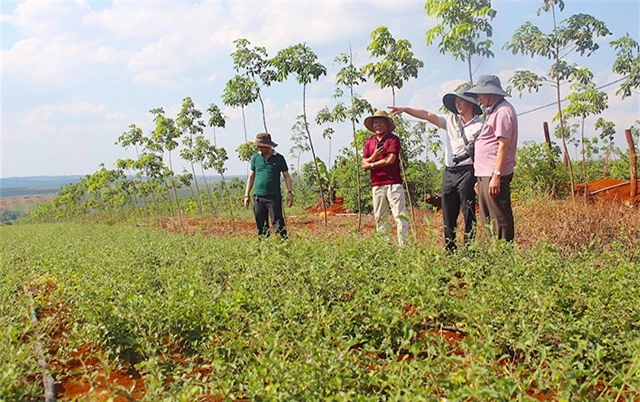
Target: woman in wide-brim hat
(449, 101)
(458, 179)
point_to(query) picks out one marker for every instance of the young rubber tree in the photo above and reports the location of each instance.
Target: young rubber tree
(189, 122)
(164, 138)
(240, 91)
(200, 154)
(302, 62)
(350, 77)
(325, 116)
(607, 133)
(215, 158)
(300, 143)
(585, 101)
(254, 61)
(465, 30)
(136, 138)
(397, 64)
(216, 119)
(627, 63)
(576, 34)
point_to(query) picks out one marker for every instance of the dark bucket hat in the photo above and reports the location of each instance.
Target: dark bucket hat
(449, 101)
(264, 140)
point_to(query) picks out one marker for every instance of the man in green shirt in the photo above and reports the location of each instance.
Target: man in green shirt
(265, 169)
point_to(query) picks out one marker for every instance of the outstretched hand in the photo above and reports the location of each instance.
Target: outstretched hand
(396, 110)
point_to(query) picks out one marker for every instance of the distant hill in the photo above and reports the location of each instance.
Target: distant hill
(35, 185)
(19, 186)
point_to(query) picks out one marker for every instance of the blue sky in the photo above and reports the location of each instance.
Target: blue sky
(76, 74)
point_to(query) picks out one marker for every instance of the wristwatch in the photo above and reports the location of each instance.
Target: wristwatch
(371, 166)
(496, 173)
(291, 192)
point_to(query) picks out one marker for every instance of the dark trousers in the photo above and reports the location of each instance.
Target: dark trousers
(497, 209)
(457, 194)
(265, 208)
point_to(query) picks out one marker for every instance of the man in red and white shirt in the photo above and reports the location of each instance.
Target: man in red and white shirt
(381, 156)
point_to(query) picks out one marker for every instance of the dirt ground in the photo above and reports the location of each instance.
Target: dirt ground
(609, 190)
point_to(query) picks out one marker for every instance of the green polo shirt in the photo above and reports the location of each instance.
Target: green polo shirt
(267, 179)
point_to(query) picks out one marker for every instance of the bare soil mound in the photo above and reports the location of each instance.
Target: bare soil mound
(337, 207)
(608, 190)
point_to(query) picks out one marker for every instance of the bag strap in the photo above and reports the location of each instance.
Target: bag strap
(464, 137)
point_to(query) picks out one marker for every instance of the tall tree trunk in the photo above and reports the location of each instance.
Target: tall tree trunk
(329, 174)
(175, 192)
(313, 152)
(584, 159)
(558, 99)
(244, 124)
(469, 68)
(633, 164)
(195, 181)
(406, 184)
(355, 149)
(567, 160)
(228, 197)
(204, 177)
(264, 117)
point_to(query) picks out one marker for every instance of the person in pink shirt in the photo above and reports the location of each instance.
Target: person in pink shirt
(495, 156)
(381, 156)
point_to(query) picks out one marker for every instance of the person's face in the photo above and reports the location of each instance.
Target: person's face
(462, 106)
(484, 100)
(264, 149)
(380, 125)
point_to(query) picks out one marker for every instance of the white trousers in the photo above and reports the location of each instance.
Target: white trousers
(391, 197)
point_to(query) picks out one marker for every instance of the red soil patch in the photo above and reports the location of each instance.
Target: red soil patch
(87, 378)
(608, 190)
(337, 207)
(542, 396)
(222, 227)
(79, 373)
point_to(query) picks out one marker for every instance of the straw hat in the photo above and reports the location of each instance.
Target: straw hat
(368, 122)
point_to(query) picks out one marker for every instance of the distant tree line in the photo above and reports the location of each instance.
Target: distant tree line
(148, 184)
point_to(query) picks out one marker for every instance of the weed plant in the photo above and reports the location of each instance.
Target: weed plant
(347, 319)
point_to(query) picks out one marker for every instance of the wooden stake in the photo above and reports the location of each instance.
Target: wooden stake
(633, 164)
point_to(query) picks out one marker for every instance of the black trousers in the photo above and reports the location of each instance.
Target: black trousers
(458, 193)
(265, 208)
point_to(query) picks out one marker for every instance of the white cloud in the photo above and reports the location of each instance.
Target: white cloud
(110, 54)
(46, 113)
(48, 19)
(43, 60)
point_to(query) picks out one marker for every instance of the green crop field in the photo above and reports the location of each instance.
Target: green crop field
(195, 318)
